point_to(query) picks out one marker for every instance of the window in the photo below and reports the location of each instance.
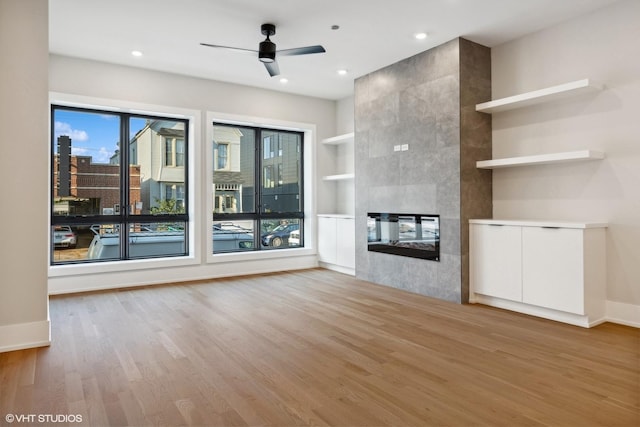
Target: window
(174, 152)
(222, 156)
(110, 199)
(267, 149)
(258, 198)
(268, 177)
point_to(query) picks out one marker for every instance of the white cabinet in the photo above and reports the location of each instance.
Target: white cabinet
(553, 268)
(497, 265)
(547, 269)
(327, 239)
(336, 242)
(346, 242)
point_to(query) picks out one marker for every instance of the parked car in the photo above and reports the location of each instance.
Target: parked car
(279, 236)
(64, 237)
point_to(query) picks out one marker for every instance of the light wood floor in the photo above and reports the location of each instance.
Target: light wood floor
(317, 348)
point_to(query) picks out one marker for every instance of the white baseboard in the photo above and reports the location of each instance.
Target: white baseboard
(616, 312)
(340, 269)
(20, 336)
(532, 310)
(624, 314)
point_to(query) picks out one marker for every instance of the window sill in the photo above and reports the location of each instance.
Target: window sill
(120, 266)
(259, 255)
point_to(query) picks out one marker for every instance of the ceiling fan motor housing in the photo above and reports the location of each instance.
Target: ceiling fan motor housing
(267, 50)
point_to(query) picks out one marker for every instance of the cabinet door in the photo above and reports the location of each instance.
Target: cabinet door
(346, 242)
(552, 268)
(496, 261)
(327, 239)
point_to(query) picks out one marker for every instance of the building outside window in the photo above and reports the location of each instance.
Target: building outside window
(258, 198)
(110, 199)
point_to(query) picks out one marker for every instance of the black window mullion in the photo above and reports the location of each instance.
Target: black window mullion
(257, 184)
(124, 186)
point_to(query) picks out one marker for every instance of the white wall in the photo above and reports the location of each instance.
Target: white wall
(602, 46)
(76, 77)
(345, 190)
(345, 115)
(24, 167)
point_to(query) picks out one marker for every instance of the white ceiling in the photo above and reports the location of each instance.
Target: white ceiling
(372, 34)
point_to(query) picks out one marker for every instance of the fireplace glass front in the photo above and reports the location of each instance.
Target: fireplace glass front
(411, 235)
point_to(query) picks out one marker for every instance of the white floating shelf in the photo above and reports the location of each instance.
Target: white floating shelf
(539, 96)
(542, 159)
(341, 177)
(340, 139)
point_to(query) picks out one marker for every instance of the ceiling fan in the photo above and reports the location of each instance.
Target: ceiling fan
(267, 50)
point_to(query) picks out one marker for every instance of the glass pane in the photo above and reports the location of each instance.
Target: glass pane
(281, 172)
(105, 243)
(86, 171)
(70, 243)
(233, 169)
(157, 239)
(233, 236)
(280, 233)
(155, 186)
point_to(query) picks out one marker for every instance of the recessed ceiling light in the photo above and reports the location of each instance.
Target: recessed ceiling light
(342, 72)
(136, 53)
(420, 36)
(284, 80)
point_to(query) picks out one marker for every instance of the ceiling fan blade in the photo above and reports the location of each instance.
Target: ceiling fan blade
(272, 68)
(235, 49)
(301, 50)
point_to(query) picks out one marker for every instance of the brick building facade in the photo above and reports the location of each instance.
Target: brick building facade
(94, 188)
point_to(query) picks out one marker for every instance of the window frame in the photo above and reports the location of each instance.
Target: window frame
(124, 218)
(306, 213)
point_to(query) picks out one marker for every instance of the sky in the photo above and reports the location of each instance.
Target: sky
(92, 134)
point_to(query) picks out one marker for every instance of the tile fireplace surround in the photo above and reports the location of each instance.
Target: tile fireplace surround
(425, 103)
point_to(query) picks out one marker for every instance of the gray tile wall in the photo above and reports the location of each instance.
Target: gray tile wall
(425, 101)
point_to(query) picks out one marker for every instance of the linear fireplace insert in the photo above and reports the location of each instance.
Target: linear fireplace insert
(411, 235)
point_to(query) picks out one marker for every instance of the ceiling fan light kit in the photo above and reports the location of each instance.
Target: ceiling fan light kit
(267, 50)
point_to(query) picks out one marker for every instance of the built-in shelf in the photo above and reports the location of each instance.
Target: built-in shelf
(539, 96)
(541, 159)
(341, 177)
(340, 139)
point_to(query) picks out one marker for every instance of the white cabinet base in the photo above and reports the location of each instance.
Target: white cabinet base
(584, 321)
